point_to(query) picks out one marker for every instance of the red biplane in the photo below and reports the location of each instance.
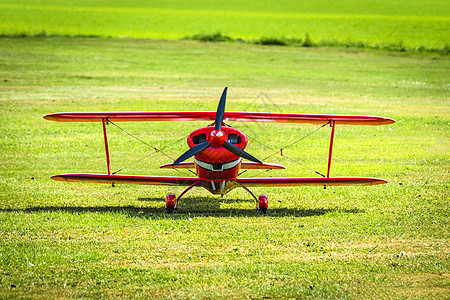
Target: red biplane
(218, 151)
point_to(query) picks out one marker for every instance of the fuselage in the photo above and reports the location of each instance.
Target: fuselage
(217, 167)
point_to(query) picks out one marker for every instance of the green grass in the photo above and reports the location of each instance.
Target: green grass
(396, 25)
(61, 240)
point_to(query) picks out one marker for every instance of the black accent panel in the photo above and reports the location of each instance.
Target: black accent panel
(234, 138)
(199, 138)
(217, 166)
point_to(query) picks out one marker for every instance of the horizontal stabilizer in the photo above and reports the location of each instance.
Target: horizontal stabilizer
(181, 165)
(244, 165)
(136, 179)
(295, 181)
(210, 116)
(264, 166)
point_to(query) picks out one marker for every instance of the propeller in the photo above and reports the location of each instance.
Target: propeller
(239, 152)
(217, 138)
(191, 152)
(220, 110)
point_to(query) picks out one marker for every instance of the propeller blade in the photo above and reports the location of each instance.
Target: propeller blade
(239, 152)
(191, 152)
(220, 110)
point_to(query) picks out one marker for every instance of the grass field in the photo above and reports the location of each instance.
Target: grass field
(392, 24)
(62, 240)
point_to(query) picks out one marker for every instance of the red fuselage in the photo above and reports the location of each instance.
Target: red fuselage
(215, 163)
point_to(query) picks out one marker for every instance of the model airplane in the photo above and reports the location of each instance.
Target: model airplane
(218, 151)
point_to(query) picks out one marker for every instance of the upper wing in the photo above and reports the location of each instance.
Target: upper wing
(295, 181)
(210, 115)
(136, 179)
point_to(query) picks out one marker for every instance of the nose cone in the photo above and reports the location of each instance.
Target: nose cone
(218, 137)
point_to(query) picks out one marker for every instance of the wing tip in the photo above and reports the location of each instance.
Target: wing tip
(58, 178)
(50, 117)
(388, 121)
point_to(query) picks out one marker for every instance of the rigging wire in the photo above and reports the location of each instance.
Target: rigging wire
(287, 146)
(253, 139)
(302, 138)
(144, 142)
(147, 144)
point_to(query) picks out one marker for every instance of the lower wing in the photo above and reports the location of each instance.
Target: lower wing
(250, 182)
(294, 181)
(136, 179)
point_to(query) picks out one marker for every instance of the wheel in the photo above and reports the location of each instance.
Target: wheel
(263, 204)
(171, 204)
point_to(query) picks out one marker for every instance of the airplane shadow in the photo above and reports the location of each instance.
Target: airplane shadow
(192, 207)
(191, 200)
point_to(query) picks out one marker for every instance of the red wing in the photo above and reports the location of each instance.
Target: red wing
(294, 181)
(210, 115)
(136, 179)
(306, 118)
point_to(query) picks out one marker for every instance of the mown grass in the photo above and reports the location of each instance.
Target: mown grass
(86, 240)
(394, 25)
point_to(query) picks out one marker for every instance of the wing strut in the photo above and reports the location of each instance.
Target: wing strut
(108, 163)
(330, 151)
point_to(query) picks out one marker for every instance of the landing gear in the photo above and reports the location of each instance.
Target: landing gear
(172, 200)
(263, 204)
(171, 203)
(262, 200)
